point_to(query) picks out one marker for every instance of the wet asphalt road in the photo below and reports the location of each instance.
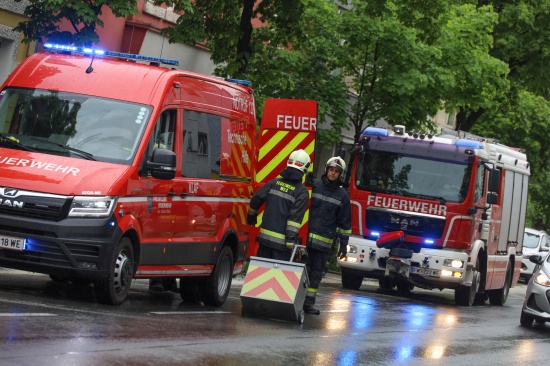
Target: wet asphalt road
(48, 323)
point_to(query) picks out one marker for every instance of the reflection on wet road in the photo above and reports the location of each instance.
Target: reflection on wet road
(42, 322)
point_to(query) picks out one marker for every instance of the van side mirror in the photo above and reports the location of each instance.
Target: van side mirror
(162, 164)
(537, 259)
(494, 180)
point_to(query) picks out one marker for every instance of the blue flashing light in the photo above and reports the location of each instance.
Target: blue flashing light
(428, 241)
(375, 233)
(470, 144)
(239, 81)
(375, 131)
(91, 51)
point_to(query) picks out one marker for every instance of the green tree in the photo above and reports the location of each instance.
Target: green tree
(522, 41)
(82, 15)
(404, 59)
(523, 122)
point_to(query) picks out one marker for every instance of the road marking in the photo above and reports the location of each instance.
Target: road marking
(25, 314)
(188, 312)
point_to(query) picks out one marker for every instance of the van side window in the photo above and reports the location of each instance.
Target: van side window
(163, 136)
(201, 145)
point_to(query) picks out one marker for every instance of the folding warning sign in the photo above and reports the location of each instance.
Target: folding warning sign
(274, 289)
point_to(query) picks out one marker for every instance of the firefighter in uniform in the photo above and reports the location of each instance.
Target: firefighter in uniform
(329, 222)
(286, 200)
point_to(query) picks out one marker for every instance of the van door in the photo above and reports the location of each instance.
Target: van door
(156, 215)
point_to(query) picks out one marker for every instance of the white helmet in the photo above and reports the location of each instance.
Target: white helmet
(300, 160)
(337, 162)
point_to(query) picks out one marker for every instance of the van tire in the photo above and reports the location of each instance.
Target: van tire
(218, 283)
(114, 289)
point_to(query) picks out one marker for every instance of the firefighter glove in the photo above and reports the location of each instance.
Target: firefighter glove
(342, 251)
(310, 179)
(251, 219)
(290, 245)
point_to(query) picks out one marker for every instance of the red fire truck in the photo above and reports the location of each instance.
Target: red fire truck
(436, 212)
(112, 169)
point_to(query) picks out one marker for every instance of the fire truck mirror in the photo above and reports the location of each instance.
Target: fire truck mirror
(162, 164)
(494, 180)
(492, 198)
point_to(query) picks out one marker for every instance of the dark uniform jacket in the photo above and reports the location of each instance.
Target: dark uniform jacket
(329, 215)
(286, 200)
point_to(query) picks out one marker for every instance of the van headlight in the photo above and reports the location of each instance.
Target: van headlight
(542, 279)
(83, 206)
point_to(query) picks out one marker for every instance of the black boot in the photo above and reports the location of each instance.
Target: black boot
(155, 285)
(309, 306)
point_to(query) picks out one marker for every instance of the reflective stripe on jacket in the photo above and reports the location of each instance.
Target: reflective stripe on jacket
(285, 205)
(329, 215)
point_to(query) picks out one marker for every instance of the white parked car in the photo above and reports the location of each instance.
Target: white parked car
(534, 242)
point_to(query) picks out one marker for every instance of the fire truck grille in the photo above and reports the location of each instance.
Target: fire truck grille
(417, 225)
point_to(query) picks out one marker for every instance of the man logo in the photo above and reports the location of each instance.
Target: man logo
(10, 202)
(405, 223)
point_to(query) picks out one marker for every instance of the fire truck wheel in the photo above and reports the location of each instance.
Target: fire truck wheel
(351, 280)
(114, 289)
(404, 288)
(190, 289)
(386, 283)
(466, 295)
(219, 282)
(499, 296)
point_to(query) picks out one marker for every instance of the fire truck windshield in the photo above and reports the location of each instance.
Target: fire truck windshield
(407, 175)
(74, 125)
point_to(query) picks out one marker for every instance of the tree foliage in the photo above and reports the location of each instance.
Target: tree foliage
(83, 16)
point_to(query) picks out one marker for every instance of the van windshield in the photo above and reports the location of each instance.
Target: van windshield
(530, 240)
(73, 125)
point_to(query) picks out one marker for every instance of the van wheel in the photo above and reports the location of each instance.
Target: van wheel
(498, 297)
(351, 280)
(114, 289)
(218, 283)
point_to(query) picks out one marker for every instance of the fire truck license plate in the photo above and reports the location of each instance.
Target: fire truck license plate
(426, 271)
(9, 242)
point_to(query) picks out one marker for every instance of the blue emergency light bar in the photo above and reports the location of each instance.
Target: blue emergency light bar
(240, 82)
(469, 144)
(96, 52)
(375, 131)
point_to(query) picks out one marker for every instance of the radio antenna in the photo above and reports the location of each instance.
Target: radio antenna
(90, 68)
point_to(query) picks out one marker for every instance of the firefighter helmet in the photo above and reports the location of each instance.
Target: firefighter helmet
(300, 160)
(337, 162)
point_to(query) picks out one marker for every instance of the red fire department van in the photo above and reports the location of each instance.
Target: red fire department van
(436, 212)
(112, 169)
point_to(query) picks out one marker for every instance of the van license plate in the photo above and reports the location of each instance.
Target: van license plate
(426, 271)
(9, 242)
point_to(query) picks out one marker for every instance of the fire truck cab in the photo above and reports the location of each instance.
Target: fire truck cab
(112, 169)
(444, 211)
